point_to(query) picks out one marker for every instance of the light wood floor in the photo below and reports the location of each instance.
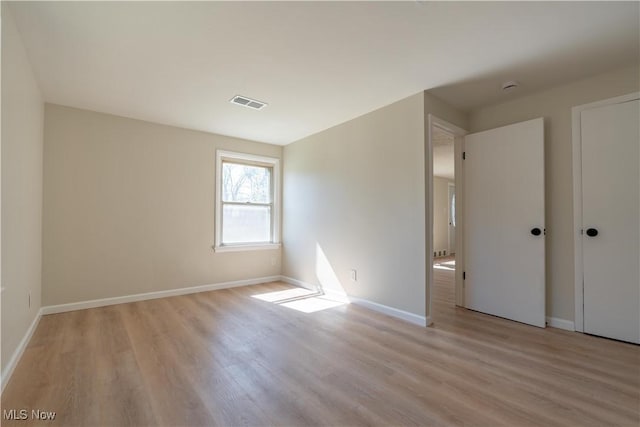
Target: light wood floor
(224, 358)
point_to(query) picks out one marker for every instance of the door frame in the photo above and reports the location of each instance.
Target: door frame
(576, 142)
(449, 217)
(458, 148)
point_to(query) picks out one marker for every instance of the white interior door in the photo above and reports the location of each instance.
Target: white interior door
(452, 218)
(611, 208)
(503, 218)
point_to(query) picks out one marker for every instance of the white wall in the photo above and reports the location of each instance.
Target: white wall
(354, 198)
(555, 106)
(129, 208)
(441, 213)
(22, 122)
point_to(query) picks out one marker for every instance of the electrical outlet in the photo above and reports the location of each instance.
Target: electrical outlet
(354, 276)
(273, 260)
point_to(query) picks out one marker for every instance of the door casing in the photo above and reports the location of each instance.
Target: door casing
(458, 133)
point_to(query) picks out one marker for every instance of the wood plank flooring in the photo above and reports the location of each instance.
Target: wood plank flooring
(225, 358)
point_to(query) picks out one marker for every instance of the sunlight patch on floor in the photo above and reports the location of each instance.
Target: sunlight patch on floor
(300, 299)
(445, 265)
(288, 294)
(313, 304)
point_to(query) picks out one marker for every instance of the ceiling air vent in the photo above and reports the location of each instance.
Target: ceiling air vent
(248, 102)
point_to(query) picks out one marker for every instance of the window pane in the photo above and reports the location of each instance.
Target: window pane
(453, 209)
(246, 224)
(245, 183)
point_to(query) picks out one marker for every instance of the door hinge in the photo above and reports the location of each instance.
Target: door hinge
(464, 155)
(464, 275)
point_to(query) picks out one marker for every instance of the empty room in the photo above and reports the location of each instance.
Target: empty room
(320, 213)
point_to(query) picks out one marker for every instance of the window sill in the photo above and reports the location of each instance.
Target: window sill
(244, 248)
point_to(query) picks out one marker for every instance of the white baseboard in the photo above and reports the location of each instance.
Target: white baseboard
(555, 322)
(380, 308)
(17, 354)
(330, 294)
(337, 296)
(52, 309)
(390, 311)
(299, 283)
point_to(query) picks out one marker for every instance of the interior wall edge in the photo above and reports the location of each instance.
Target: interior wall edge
(19, 351)
(22, 191)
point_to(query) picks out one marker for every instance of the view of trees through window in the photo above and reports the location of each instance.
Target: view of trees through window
(246, 183)
(246, 203)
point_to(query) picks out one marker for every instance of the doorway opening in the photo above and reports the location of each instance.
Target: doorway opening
(445, 146)
(444, 221)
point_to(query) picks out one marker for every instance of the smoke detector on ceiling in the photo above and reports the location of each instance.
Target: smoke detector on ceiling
(509, 86)
(248, 102)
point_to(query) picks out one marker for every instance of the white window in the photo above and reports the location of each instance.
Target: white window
(247, 202)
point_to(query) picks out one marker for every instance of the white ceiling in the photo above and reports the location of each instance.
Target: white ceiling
(316, 64)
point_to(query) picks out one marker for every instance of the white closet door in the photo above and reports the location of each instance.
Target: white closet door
(504, 249)
(611, 208)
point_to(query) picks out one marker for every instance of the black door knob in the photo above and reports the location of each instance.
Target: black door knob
(536, 231)
(592, 232)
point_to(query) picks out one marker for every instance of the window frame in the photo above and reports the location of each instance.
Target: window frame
(249, 160)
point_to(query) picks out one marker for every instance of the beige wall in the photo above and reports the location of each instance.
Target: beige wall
(555, 106)
(22, 122)
(442, 110)
(441, 213)
(129, 208)
(354, 199)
